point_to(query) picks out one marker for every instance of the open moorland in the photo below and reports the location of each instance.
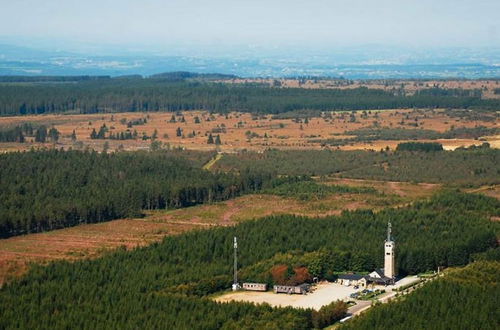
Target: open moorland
(356, 130)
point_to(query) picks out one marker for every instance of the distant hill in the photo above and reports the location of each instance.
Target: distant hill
(183, 75)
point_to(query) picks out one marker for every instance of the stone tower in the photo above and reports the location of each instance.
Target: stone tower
(389, 266)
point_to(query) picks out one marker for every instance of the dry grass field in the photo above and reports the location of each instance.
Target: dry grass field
(242, 130)
(87, 241)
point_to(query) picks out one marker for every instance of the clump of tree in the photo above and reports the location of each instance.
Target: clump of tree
(470, 167)
(135, 122)
(419, 146)
(329, 314)
(94, 135)
(307, 190)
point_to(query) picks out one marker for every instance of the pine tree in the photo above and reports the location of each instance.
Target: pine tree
(178, 132)
(54, 134)
(217, 140)
(210, 139)
(41, 134)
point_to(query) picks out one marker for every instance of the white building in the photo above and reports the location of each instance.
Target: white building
(389, 264)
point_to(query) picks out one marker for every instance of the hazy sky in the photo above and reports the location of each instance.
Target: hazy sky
(427, 23)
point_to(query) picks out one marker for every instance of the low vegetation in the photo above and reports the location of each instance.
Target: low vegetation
(307, 190)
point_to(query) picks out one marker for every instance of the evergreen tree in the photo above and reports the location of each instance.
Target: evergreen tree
(53, 134)
(210, 139)
(41, 134)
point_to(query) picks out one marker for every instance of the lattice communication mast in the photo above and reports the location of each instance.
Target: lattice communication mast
(236, 286)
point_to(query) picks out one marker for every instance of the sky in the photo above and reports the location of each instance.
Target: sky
(267, 23)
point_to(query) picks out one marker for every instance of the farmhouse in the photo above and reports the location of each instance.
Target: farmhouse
(299, 289)
(255, 286)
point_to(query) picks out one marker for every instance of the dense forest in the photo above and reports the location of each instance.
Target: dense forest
(465, 167)
(464, 299)
(164, 285)
(308, 189)
(385, 133)
(172, 94)
(46, 190)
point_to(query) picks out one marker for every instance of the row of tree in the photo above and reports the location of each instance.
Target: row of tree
(468, 167)
(137, 94)
(19, 134)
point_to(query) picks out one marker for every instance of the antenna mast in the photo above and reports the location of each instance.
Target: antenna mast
(389, 229)
(235, 266)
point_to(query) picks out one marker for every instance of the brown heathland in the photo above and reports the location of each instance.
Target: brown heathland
(242, 131)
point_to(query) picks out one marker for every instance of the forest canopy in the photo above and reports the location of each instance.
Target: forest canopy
(464, 167)
(172, 93)
(46, 190)
(162, 285)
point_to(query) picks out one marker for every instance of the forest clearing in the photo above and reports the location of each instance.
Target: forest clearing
(93, 240)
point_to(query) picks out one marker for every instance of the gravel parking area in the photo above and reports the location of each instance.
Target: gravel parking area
(323, 294)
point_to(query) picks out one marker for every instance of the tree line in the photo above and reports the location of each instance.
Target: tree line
(384, 133)
(155, 94)
(462, 167)
(21, 132)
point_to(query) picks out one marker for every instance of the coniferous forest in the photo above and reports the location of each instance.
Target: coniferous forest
(462, 167)
(95, 95)
(54, 189)
(465, 299)
(165, 284)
